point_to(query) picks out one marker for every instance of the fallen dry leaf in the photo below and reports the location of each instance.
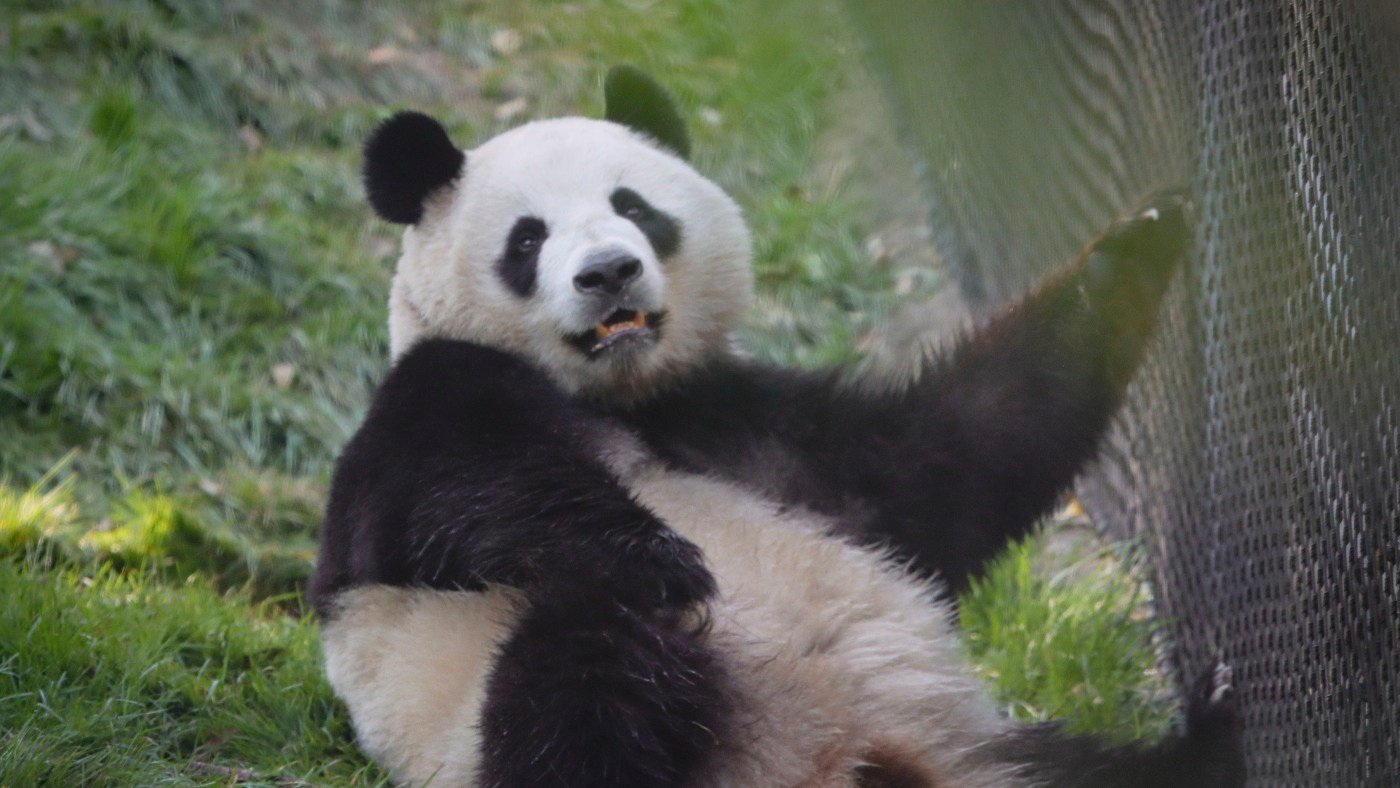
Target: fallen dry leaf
(252, 140)
(511, 108)
(57, 256)
(506, 42)
(283, 375)
(382, 55)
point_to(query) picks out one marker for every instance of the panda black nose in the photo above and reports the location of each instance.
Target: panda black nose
(608, 276)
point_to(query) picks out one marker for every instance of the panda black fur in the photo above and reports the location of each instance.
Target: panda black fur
(579, 541)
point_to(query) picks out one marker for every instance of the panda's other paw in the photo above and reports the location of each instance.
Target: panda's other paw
(587, 692)
(1214, 727)
(1159, 230)
(1134, 258)
(656, 570)
(1127, 270)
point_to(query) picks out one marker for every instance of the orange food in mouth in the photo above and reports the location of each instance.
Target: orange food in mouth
(620, 321)
(624, 327)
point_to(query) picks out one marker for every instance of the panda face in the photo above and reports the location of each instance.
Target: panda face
(584, 246)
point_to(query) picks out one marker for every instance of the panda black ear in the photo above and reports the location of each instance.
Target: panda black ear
(407, 158)
(635, 100)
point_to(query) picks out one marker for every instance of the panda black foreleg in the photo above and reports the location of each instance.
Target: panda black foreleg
(987, 440)
(590, 693)
(1208, 755)
(472, 469)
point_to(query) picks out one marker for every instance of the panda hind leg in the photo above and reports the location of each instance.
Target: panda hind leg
(586, 692)
(1209, 754)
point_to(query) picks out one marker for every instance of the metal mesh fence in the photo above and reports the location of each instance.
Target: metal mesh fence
(1259, 454)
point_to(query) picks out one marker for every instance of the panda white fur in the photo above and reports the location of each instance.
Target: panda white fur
(578, 541)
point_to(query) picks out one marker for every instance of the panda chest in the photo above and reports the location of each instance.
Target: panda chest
(784, 578)
(836, 656)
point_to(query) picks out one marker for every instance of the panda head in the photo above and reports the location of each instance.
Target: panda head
(587, 246)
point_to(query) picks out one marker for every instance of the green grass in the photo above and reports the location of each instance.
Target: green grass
(120, 678)
(1069, 637)
(192, 317)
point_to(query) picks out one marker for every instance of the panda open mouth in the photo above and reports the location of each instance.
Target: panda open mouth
(623, 327)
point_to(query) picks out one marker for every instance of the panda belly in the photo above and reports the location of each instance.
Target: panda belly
(839, 662)
(411, 666)
(838, 658)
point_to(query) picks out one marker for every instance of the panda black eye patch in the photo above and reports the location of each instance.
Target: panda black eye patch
(520, 260)
(660, 228)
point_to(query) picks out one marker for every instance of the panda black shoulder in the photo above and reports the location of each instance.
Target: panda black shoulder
(452, 424)
(438, 374)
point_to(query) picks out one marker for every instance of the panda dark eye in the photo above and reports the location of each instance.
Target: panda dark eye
(630, 205)
(521, 255)
(526, 237)
(660, 228)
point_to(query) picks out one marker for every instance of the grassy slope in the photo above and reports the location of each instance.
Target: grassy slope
(191, 316)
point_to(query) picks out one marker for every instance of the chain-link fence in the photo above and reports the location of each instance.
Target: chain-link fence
(1259, 455)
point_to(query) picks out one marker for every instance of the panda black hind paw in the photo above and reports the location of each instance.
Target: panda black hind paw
(1214, 728)
(1213, 707)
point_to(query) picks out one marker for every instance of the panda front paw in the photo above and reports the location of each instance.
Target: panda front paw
(589, 693)
(656, 570)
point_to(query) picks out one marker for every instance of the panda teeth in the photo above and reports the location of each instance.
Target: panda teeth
(638, 320)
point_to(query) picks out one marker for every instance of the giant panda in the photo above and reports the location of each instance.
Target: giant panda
(579, 539)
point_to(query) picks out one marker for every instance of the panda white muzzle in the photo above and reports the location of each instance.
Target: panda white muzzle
(609, 279)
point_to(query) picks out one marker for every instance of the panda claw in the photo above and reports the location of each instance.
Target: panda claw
(1223, 680)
